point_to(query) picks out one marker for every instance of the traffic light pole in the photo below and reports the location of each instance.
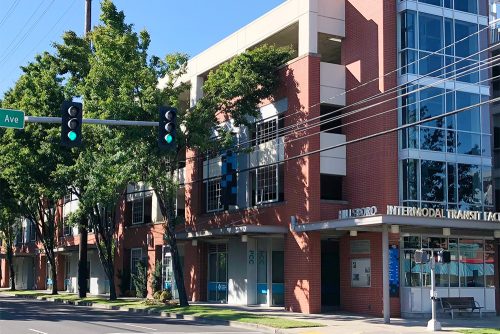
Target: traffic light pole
(57, 120)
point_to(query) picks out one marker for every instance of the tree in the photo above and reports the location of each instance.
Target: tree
(117, 79)
(9, 226)
(29, 159)
(110, 70)
(234, 91)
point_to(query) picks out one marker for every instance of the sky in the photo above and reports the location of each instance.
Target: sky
(28, 27)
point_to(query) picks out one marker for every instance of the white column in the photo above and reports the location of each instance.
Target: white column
(308, 28)
(385, 274)
(196, 91)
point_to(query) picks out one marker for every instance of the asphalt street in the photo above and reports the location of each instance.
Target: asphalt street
(20, 316)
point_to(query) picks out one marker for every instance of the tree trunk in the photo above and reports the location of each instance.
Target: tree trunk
(112, 288)
(167, 211)
(82, 260)
(53, 269)
(10, 258)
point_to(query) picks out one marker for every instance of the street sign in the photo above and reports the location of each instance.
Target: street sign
(12, 118)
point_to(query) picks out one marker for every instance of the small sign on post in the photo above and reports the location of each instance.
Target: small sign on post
(12, 118)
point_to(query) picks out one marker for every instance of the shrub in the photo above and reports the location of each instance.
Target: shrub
(165, 296)
(157, 295)
(156, 278)
(140, 280)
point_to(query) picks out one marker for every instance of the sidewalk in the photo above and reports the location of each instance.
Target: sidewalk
(345, 323)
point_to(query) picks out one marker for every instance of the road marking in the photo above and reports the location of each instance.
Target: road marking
(34, 330)
(152, 329)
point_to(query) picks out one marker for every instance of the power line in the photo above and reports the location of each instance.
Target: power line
(353, 141)
(9, 12)
(490, 63)
(25, 36)
(379, 95)
(64, 14)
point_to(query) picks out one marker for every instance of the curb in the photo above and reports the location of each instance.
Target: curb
(163, 314)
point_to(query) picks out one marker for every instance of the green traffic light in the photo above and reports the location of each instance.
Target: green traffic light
(169, 138)
(72, 135)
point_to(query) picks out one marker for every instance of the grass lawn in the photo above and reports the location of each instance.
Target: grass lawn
(193, 310)
(481, 331)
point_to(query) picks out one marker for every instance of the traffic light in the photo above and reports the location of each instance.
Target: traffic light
(421, 256)
(71, 125)
(167, 128)
(229, 179)
(444, 256)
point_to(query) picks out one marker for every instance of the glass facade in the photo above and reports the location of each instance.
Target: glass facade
(445, 162)
(472, 262)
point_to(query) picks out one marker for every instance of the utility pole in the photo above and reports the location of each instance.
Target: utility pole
(88, 15)
(83, 223)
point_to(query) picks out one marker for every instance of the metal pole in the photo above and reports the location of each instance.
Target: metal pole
(385, 274)
(57, 120)
(88, 15)
(433, 325)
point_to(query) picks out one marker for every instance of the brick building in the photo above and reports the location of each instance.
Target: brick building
(337, 229)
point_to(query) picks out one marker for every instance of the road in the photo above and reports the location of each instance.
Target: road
(20, 316)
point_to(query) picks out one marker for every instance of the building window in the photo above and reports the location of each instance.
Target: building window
(331, 187)
(266, 130)
(135, 259)
(213, 195)
(141, 210)
(32, 231)
(267, 184)
(472, 262)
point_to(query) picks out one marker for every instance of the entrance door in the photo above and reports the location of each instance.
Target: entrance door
(217, 273)
(330, 275)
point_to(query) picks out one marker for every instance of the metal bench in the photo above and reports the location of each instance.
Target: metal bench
(449, 304)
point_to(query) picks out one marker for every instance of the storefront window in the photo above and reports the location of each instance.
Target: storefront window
(472, 262)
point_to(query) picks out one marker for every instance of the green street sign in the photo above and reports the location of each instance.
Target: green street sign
(12, 118)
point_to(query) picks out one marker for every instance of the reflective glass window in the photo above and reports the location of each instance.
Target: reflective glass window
(468, 143)
(451, 141)
(465, 38)
(410, 184)
(432, 139)
(487, 187)
(469, 185)
(469, 6)
(408, 31)
(452, 189)
(430, 64)
(430, 32)
(468, 119)
(433, 180)
(433, 2)
(432, 104)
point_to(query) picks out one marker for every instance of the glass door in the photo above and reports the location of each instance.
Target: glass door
(262, 277)
(217, 273)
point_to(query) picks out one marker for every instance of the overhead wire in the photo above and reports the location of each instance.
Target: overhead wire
(492, 62)
(9, 12)
(59, 19)
(395, 71)
(472, 68)
(25, 36)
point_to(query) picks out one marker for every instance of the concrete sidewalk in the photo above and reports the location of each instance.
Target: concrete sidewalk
(345, 323)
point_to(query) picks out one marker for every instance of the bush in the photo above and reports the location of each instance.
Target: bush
(165, 296)
(157, 295)
(156, 278)
(140, 280)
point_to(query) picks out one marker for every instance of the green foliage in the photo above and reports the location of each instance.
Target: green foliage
(156, 277)
(140, 280)
(236, 88)
(165, 296)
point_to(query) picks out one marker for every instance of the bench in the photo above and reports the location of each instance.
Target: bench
(449, 304)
